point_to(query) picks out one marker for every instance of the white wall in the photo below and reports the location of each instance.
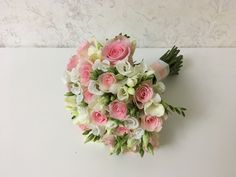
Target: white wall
(154, 23)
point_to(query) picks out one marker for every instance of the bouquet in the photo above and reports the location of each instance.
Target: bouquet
(116, 100)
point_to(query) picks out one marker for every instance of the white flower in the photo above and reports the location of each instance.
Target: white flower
(138, 70)
(74, 75)
(122, 93)
(154, 107)
(124, 67)
(160, 87)
(131, 123)
(83, 116)
(96, 130)
(66, 78)
(93, 88)
(77, 90)
(104, 65)
(114, 88)
(131, 82)
(131, 91)
(111, 124)
(138, 133)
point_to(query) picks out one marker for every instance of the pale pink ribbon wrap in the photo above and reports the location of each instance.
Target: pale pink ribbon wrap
(161, 69)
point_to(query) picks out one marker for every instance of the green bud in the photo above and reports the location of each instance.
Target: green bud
(131, 91)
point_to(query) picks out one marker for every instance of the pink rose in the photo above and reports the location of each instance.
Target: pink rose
(83, 127)
(151, 123)
(72, 63)
(118, 110)
(88, 97)
(144, 93)
(98, 118)
(106, 80)
(83, 49)
(108, 140)
(121, 130)
(84, 72)
(117, 49)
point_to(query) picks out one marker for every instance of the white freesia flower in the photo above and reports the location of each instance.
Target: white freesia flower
(104, 65)
(154, 107)
(131, 123)
(66, 77)
(74, 75)
(114, 88)
(122, 93)
(131, 82)
(111, 124)
(96, 130)
(124, 67)
(138, 133)
(160, 87)
(93, 88)
(141, 68)
(82, 116)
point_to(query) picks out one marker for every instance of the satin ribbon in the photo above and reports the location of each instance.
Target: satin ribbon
(161, 69)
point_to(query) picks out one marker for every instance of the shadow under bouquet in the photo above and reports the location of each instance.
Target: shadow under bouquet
(115, 100)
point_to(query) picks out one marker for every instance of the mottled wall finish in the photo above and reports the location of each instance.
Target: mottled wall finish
(154, 23)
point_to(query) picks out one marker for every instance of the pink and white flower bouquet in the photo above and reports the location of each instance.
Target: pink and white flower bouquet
(115, 100)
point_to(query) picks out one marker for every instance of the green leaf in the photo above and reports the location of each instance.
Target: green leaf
(141, 152)
(89, 138)
(150, 148)
(69, 94)
(86, 132)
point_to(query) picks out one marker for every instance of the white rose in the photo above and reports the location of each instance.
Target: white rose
(122, 93)
(154, 108)
(131, 123)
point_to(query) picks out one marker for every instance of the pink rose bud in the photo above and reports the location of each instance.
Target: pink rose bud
(83, 127)
(144, 93)
(98, 118)
(83, 49)
(72, 63)
(108, 140)
(117, 49)
(84, 72)
(151, 123)
(88, 97)
(106, 80)
(121, 130)
(118, 110)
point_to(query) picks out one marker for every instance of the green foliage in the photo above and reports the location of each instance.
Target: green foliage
(170, 108)
(174, 60)
(133, 111)
(69, 94)
(120, 144)
(91, 137)
(83, 104)
(95, 74)
(112, 70)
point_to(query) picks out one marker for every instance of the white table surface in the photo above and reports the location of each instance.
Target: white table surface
(38, 139)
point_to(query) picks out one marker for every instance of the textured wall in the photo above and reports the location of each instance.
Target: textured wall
(154, 23)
